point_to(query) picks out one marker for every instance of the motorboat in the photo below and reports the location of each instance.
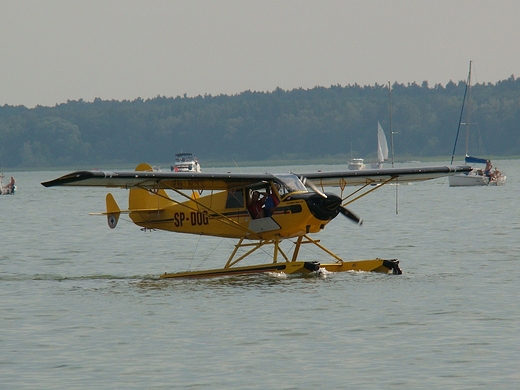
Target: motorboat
(186, 162)
(356, 164)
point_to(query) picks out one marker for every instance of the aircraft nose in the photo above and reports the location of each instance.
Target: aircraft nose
(323, 208)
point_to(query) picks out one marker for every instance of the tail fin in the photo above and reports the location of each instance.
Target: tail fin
(113, 211)
(141, 199)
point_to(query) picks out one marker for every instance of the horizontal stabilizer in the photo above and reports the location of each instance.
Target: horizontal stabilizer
(128, 211)
(113, 211)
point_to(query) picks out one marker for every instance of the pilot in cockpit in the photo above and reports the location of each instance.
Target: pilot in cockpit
(271, 201)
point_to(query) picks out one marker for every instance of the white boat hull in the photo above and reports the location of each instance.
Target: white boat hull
(467, 180)
(472, 179)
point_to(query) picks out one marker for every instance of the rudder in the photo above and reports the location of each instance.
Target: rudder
(141, 199)
(113, 211)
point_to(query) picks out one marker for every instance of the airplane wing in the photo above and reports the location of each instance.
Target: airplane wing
(376, 176)
(159, 180)
(224, 181)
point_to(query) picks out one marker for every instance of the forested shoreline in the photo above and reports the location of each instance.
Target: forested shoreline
(251, 126)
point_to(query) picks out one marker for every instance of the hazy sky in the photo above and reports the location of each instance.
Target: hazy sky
(58, 50)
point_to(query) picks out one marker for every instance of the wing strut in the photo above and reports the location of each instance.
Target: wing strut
(367, 192)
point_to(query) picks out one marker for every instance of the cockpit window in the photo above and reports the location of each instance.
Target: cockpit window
(235, 199)
(289, 183)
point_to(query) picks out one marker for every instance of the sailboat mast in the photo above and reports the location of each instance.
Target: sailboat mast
(468, 109)
(391, 131)
(464, 106)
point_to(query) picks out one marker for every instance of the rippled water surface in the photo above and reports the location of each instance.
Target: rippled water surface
(81, 305)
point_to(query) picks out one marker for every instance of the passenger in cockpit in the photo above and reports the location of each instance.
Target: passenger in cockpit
(255, 205)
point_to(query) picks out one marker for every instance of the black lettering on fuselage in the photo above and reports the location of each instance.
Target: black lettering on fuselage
(195, 218)
(179, 218)
(199, 218)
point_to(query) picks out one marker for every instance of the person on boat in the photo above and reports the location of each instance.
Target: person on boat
(271, 201)
(487, 170)
(10, 186)
(496, 174)
(255, 206)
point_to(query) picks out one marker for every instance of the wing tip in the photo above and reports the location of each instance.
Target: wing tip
(69, 178)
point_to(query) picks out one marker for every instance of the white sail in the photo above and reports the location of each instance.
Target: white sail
(382, 146)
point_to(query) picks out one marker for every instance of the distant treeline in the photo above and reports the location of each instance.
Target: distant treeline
(259, 126)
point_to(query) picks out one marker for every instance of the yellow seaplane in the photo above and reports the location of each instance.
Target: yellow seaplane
(221, 204)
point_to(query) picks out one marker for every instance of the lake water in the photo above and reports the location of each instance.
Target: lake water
(81, 305)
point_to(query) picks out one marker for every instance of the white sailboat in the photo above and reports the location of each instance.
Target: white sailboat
(478, 176)
(382, 148)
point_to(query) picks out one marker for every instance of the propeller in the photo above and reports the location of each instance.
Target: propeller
(350, 215)
(343, 210)
(313, 187)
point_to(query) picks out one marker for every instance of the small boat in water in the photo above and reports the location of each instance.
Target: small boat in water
(186, 162)
(356, 164)
(478, 176)
(9, 188)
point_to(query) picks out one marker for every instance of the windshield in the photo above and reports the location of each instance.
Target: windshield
(289, 183)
